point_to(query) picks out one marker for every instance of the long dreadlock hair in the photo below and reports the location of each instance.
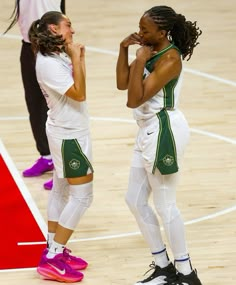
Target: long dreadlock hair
(184, 34)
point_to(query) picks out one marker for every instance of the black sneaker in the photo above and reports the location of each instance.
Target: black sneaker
(160, 276)
(190, 279)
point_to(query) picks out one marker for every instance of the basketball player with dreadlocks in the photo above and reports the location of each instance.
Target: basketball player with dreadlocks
(153, 81)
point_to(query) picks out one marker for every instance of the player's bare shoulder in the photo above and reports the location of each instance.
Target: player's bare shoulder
(171, 58)
(169, 63)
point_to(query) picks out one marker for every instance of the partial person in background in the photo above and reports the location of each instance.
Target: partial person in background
(153, 81)
(61, 73)
(25, 12)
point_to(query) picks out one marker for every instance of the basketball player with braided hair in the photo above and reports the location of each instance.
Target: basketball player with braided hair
(61, 73)
(153, 81)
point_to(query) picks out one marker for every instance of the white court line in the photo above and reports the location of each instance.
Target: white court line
(191, 222)
(115, 53)
(120, 120)
(17, 270)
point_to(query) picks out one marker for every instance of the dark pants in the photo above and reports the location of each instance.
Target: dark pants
(35, 101)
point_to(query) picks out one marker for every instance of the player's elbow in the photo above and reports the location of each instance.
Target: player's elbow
(80, 98)
(121, 83)
(131, 104)
(121, 86)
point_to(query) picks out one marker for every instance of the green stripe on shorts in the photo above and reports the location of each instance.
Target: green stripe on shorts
(166, 157)
(75, 162)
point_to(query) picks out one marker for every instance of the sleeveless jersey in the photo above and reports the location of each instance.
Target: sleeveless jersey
(167, 97)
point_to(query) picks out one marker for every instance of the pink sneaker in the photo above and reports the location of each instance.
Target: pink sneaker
(76, 263)
(56, 269)
(41, 165)
(48, 185)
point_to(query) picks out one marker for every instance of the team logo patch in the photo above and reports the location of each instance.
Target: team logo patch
(74, 164)
(168, 160)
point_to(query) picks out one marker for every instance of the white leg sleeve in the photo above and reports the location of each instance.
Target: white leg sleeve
(164, 195)
(80, 199)
(58, 198)
(137, 200)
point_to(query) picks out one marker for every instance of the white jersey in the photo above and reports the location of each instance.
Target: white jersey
(67, 118)
(167, 97)
(32, 10)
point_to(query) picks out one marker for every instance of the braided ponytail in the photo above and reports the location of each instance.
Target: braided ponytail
(184, 34)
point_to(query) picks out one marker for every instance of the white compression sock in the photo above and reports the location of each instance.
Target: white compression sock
(48, 157)
(50, 237)
(54, 249)
(161, 258)
(183, 265)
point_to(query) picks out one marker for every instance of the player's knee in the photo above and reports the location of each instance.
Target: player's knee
(168, 212)
(80, 199)
(138, 209)
(81, 196)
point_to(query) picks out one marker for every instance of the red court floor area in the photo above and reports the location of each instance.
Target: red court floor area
(17, 225)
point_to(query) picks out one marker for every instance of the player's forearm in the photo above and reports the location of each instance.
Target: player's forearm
(122, 69)
(135, 86)
(79, 82)
(78, 90)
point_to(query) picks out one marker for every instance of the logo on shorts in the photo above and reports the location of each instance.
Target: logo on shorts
(168, 160)
(74, 164)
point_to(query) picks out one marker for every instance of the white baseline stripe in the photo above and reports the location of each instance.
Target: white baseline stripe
(17, 270)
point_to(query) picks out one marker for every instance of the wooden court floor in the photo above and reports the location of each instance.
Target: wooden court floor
(108, 236)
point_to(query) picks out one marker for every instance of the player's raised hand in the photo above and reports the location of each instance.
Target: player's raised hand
(132, 39)
(75, 50)
(145, 53)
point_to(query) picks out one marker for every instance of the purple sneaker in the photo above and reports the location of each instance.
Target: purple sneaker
(41, 165)
(48, 185)
(56, 269)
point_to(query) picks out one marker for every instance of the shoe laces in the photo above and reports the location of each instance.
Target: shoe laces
(152, 267)
(157, 271)
(66, 252)
(68, 256)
